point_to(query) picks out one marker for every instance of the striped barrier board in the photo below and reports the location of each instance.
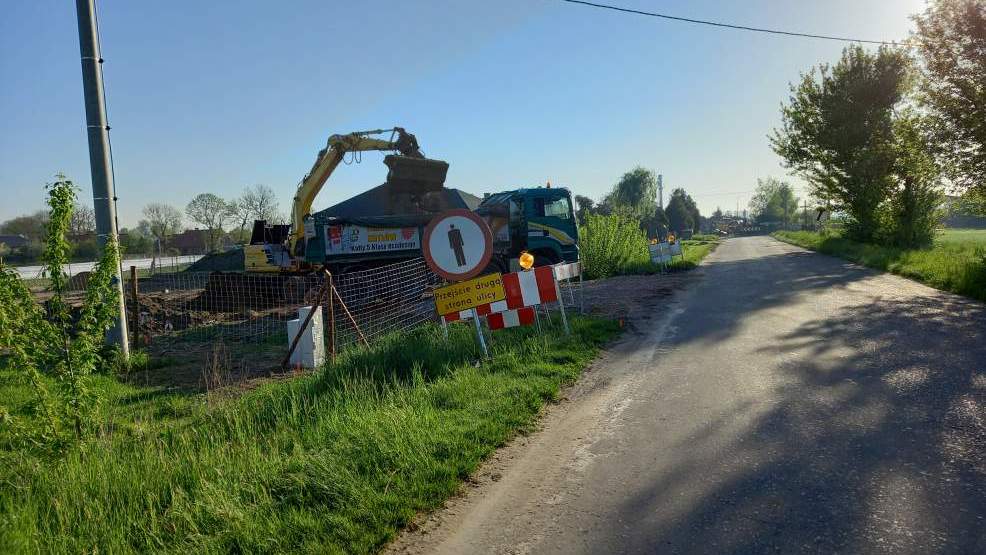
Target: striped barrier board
(529, 288)
(523, 289)
(511, 318)
(482, 310)
(567, 271)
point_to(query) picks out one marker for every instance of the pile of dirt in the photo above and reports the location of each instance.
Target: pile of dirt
(229, 261)
(236, 292)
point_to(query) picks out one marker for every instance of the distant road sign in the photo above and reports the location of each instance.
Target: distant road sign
(469, 294)
(457, 244)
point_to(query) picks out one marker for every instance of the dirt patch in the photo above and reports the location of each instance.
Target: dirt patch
(633, 298)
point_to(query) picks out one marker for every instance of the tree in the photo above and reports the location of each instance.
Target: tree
(257, 203)
(83, 220)
(837, 132)
(951, 37)
(717, 215)
(656, 225)
(774, 201)
(583, 207)
(679, 215)
(31, 226)
(212, 212)
(162, 221)
(913, 206)
(635, 192)
(682, 212)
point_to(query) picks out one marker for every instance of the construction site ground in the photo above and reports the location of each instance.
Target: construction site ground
(205, 352)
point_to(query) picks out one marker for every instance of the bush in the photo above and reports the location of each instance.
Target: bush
(612, 244)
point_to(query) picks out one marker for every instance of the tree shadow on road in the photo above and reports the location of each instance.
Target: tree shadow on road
(876, 444)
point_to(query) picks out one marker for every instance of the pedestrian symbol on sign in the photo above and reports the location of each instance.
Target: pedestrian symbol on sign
(455, 243)
(458, 244)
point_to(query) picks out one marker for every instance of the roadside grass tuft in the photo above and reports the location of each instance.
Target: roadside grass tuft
(956, 262)
(335, 461)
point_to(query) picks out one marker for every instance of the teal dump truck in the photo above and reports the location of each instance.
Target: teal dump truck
(379, 227)
(538, 220)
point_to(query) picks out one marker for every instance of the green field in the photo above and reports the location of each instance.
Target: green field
(956, 262)
(335, 461)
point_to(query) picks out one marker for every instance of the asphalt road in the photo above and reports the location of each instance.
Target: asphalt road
(785, 402)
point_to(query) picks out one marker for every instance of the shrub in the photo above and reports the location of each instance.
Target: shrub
(54, 350)
(612, 244)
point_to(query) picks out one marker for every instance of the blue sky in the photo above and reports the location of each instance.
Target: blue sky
(216, 96)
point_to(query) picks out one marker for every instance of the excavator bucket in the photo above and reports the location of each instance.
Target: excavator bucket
(415, 175)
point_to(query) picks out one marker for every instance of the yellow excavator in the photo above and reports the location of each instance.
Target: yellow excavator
(281, 248)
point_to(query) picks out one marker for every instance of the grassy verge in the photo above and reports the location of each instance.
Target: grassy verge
(336, 461)
(956, 263)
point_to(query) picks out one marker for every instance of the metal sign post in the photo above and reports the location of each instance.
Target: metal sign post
(561, 305)
(458, 245)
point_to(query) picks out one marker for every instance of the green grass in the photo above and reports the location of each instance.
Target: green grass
(956, 262)
(336, 461)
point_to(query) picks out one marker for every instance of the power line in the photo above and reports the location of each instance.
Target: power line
(731, 26)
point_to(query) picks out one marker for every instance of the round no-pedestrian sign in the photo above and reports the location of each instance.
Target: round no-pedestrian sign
(457, 244)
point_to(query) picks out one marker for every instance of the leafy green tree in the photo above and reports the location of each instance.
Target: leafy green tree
(837, 132)
(657, 224)
(31, 226)
(679, 216)
(583, 207)
(774, 201)
(913, 209)
(636, 193)
(682, 212)
(212, 212)
(951, 37)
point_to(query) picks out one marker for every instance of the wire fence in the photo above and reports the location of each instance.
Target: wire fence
(189, 316)
(248, 313)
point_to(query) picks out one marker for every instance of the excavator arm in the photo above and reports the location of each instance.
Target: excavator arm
(337, 147)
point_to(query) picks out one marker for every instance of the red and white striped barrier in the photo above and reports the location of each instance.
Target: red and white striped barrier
(567, 271)
(529, 288)
(524, 290)
(511, 318)
(483, 310)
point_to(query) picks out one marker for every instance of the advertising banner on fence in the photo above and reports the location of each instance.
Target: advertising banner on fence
(469, 294)
(357, 239)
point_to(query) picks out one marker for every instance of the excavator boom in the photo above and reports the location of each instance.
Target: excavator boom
(336, 148)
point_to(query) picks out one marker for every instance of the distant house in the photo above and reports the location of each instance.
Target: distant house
(196, 241)
(14, 242)
(190, 241)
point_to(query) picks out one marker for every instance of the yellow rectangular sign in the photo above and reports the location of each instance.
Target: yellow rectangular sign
(469, 294)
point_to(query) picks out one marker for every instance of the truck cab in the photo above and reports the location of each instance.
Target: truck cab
(537, 220)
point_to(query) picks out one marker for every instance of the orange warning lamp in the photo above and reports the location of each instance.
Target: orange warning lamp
(526, 260)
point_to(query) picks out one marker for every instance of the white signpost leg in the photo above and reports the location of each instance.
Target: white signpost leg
(581, 294)
(561, 305)
(444, 327)
(479, 333)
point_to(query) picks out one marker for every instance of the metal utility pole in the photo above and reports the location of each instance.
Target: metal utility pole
(660, 191)
(103, 189)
